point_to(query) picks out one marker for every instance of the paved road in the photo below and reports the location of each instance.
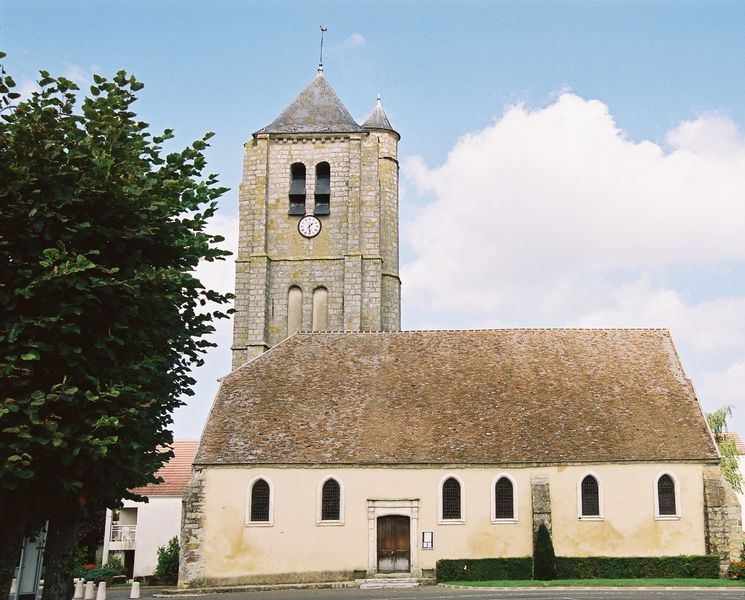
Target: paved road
(441, 593)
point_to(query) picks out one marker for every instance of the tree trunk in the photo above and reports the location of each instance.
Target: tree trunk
(59, 555)
(12, 528)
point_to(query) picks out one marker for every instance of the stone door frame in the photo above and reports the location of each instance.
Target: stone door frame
(406, 507)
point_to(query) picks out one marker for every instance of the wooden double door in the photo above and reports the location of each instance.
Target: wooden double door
(394, 547)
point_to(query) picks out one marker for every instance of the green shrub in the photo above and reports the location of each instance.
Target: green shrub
(109, 570)
(736, 570)
(484, 569)
(544, 559)
(638, 567)
(167, 568)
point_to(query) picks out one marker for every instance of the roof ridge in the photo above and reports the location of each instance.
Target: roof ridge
(476, 330)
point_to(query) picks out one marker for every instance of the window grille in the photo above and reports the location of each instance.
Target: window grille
(331, 501)
(590, 497)
(260, 501)
(323, 189)
(297, 189)
(503, 495)
(451, 499)
(666, 495)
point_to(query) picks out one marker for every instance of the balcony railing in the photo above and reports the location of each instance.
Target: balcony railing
(123, 533)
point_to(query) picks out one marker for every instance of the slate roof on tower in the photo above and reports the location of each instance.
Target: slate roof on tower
(317, 109)
(519, 396)
(377, 118)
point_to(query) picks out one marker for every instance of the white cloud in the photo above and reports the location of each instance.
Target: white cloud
(553, 217)
(724, 387)
(356, 40)
(26, 89)
(78, 74)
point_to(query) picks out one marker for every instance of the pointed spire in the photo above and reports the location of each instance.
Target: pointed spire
(378, 118)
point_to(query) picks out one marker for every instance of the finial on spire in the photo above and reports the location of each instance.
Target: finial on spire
(378, 97)
(320, 60)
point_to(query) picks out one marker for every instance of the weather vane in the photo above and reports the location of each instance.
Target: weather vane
(320, 60)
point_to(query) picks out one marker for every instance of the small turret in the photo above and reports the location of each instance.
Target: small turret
(378, 118)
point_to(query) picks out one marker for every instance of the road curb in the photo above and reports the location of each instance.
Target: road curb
(187, 592)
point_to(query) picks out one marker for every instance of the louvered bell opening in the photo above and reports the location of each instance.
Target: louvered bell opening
(323, 189)
(323, 186)
(297, 187)
(297, 204)
(322, 205)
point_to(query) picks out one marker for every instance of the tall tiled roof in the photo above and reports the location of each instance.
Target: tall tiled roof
(176, 473)
(738, 441)
(460, 397)
(317, 109)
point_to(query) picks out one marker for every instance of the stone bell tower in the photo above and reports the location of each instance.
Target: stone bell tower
(318, 240)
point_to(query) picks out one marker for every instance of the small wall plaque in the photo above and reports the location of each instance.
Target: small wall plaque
(428, 540)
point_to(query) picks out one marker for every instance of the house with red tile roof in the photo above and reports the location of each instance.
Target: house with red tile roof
(138, 529)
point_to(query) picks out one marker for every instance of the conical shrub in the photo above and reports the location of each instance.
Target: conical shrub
(544, 559)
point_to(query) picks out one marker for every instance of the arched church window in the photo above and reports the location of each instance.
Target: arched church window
(260, 501)
(294, 310)
(320, 308)
(323, 189)
(297, 189)
(667, 505)
(451, 500)
(504, 505)
(590, 491)
(331, 501)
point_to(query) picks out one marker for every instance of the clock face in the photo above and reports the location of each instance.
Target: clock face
(309, 226)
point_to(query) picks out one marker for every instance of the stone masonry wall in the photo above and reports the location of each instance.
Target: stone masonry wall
(191, 559)
(541, 502)
(356, 250)
(722, 518)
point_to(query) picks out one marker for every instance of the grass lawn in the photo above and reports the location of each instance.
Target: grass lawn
(603, 583)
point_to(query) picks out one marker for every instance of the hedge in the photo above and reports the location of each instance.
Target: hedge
(484, 569)
(639, 567)
(592, 567)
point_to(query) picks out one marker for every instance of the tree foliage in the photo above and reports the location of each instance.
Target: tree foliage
(101, 317)
(727, 448)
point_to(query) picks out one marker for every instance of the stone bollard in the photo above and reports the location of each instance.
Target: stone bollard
(90, 590)
(101, 593)
(79, 588)
(135, 593)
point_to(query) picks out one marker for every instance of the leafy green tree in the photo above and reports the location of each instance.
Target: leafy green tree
(168, 557)
(727, 447)
(101, 317)
(544, 558)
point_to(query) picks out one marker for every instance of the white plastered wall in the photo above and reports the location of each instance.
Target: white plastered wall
(295, 543)
(157, 522)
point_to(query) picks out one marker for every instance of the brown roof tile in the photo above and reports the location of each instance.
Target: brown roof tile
(176, 473)
(460, 397)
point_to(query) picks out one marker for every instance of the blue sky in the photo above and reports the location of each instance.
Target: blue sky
(591, 151)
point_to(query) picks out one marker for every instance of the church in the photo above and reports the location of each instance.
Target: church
(340, 447)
